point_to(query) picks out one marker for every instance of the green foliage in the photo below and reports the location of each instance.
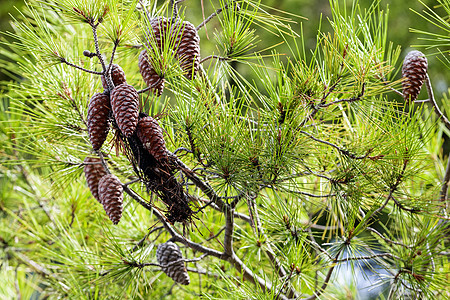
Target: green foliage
(298, 163)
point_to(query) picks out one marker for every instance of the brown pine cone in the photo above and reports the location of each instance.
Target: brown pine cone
(188, 49)
(414, 71)
(110, 191)
(169, 256)
(151, 78)
(98, 119)
(93, 171)
(117, 76)
(150, 134)
(125, 108)
(159, 31)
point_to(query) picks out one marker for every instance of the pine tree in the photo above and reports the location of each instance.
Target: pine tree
(267, 180)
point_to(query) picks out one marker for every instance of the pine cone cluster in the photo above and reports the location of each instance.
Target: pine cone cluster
(117, 76)
(186, 47)
(98, 119)
(414, 71)
(110, 191)
(125, 108)
(139, 134)
(150, 134)
(170, 258)
(93, 171)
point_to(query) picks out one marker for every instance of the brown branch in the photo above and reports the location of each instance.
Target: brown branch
(317, 107)
(203, 186)
(228, 237)
(218, 11)
(341, 150)
(63, 60)
(444, 189)
(433, 102)
(175, 236)
(100, 57)
(213, 56)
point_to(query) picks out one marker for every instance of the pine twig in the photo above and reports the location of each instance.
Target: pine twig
(151, 86)
(141, 241)
(217, 12)
(445, 183)
(341, 150)
(228, 236)
(213, 56)
(317, 107)
(63, 60)
(433, 102)
(100, 57)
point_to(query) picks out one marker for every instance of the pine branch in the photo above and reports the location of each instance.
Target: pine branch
(220, 58)
(204, 187)
(140, 265)
(228, 237)
(317, 107)
(175, 236)
(433, 102)
(63, 60)
(100, 57)
(353, 99)
(341, 150)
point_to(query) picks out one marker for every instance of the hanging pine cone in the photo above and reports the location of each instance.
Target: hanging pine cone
(414, 71)
(150, 134)
(167, 254)
(151, 78)
(117, 76)
(110, 191)
(93, 171)
(98, 119)
(188, 49)
(160, 27)
(125, 108)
